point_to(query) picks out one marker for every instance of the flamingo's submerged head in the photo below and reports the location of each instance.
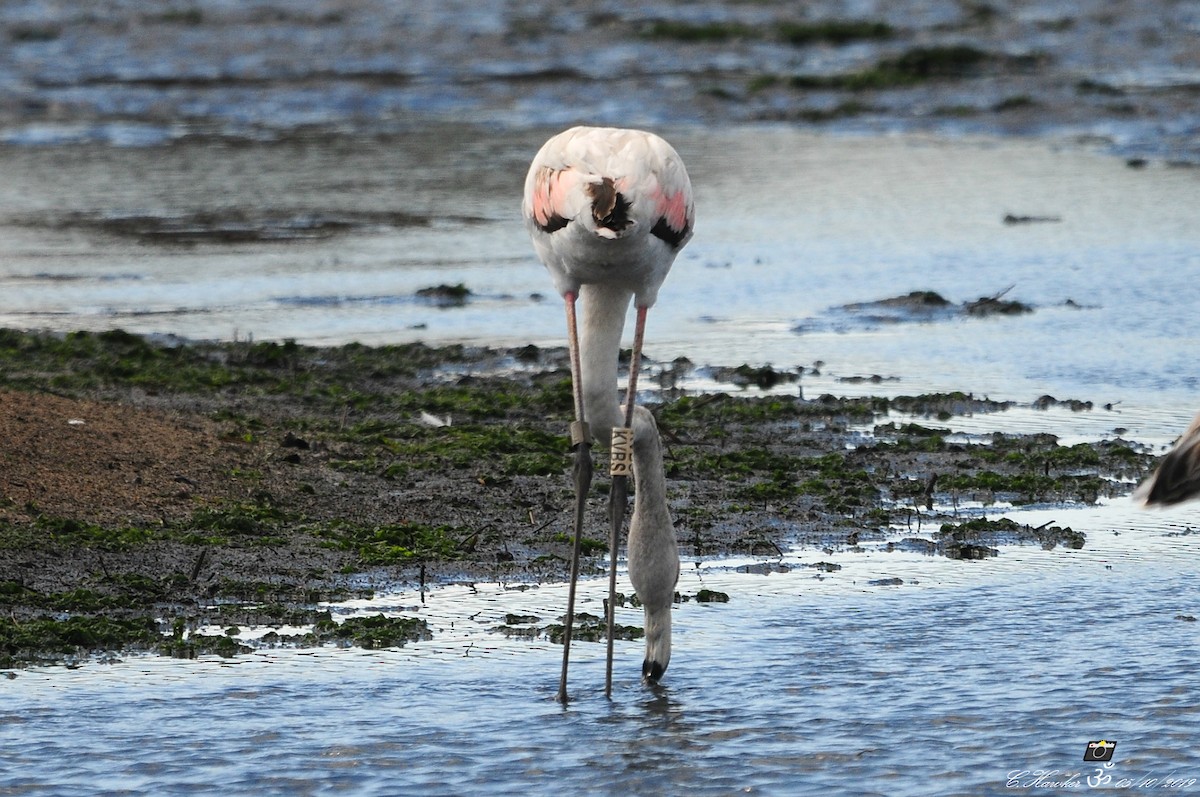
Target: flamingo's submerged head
(652, 671)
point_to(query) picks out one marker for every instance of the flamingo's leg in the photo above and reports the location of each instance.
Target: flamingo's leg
(581, 443)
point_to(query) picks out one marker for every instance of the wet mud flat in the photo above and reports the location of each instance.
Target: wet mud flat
(150, 487)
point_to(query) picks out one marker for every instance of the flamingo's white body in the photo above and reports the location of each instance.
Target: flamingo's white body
(1178, 476)
(606, 206)
(608, 210)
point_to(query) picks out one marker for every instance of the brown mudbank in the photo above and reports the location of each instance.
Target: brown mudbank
(108, 463)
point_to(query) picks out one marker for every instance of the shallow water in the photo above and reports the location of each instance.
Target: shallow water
(959, 679)
(134, 75)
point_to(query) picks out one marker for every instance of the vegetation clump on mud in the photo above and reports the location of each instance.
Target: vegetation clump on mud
(590, 628)
(151, 487)
(972, 539)
(799, 33)
(917, 65)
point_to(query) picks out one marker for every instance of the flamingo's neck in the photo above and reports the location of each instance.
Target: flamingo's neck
(602, 320)
(650, 496)
(602, 317)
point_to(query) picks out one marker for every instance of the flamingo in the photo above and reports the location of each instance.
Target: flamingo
(608, 210)
(1178, 476)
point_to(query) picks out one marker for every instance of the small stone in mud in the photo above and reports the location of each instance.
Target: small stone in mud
(634, 602)
(994, 305)
(945, 405)
(745, 375)
(914, 304)
(445, 295)
(916, 544)
(913, 307)
(669, 375)
(711, 596)
(917, 299)
(290, 440)
(826, 567)
(885, 582)
(528, 354)
(1011, 219)
(968, 552)
(590, 628)
(1075, 405)
(518, 632)
(1187, 618)
(764, 568)
(874, 379)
